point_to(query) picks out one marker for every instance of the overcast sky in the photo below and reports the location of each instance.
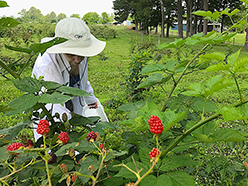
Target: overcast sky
(69, 7)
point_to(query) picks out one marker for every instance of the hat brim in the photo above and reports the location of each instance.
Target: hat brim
(93, 49)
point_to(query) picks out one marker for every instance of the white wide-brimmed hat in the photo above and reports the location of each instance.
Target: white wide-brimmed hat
(79, 39)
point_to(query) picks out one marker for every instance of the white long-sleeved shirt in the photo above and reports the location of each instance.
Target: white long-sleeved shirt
(52, 68)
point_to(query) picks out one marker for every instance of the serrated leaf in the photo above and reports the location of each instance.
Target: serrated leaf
(231, 59)
(23, 103)
(231, 113)
(240, 63)
(204, 138)
(50, 84)
(170, 118)
(218, 67)
(228, 135)
(176, 161)
(218, 56)
(28, 84)
(73, 91)
(54, 98)
(7, 22)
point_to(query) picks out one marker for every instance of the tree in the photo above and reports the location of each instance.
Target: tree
(32, 15)
(104, 18)
(51, 18)
(180, 18)
(75, 15)
(205, 24)
(61, 16)
(91, 18)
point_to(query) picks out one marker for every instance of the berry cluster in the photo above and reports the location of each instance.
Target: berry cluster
(63, 137)
(91, 135)
(153, 153)
(156, 127)
(14, 146)
(43, 127)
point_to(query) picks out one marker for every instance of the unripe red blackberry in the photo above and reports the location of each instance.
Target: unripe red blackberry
(156, 127)
(43, 127)
(30, 143)
(91, 136)
(153, 153)
(14, 146)
(63, 137)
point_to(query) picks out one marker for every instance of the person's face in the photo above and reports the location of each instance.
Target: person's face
(73, 59)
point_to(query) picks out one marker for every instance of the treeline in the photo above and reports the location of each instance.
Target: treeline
(149, 14)
(34, 15)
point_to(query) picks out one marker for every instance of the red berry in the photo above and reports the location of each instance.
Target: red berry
(43, 127)
(101, 146)
(14, 146)
(156, 127)
(64, 137)
(73, 178)
(153, 153)
(30, 143)
(91, 135)
(63, 168)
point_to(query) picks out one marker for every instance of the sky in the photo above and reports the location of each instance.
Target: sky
(69, 7)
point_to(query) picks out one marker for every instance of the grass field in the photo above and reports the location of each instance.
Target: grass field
(103, 72)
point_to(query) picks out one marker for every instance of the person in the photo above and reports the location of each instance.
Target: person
(67, 62)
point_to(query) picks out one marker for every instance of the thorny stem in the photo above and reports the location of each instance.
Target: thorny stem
(46, 162)
(199, 124)
(237, 84)
(181, 75)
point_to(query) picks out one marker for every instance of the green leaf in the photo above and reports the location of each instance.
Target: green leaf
(176, 161)
(23, 103)
(231, 113)
(233, 58)
(84, 168)
(20, 49)
(100, 126)
(7, 22)
(239, 66)
(170, 179)
(198, 104)
(218, 67)
(28, 84)
(42, 47)
(235, 11)
(216, 56)
(228, 135)
(154, 79)
(54, 98)
(204, 138)
(50, 84)
(73, 91)
(176, 44)
(203, 13)
(3, 4)
(152, 68)
(4, 154)
(244, 1)
(171, 118)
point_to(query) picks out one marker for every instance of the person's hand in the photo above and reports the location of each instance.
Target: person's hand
(93, 105)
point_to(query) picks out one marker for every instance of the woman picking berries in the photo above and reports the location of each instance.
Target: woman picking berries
(67, 63)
